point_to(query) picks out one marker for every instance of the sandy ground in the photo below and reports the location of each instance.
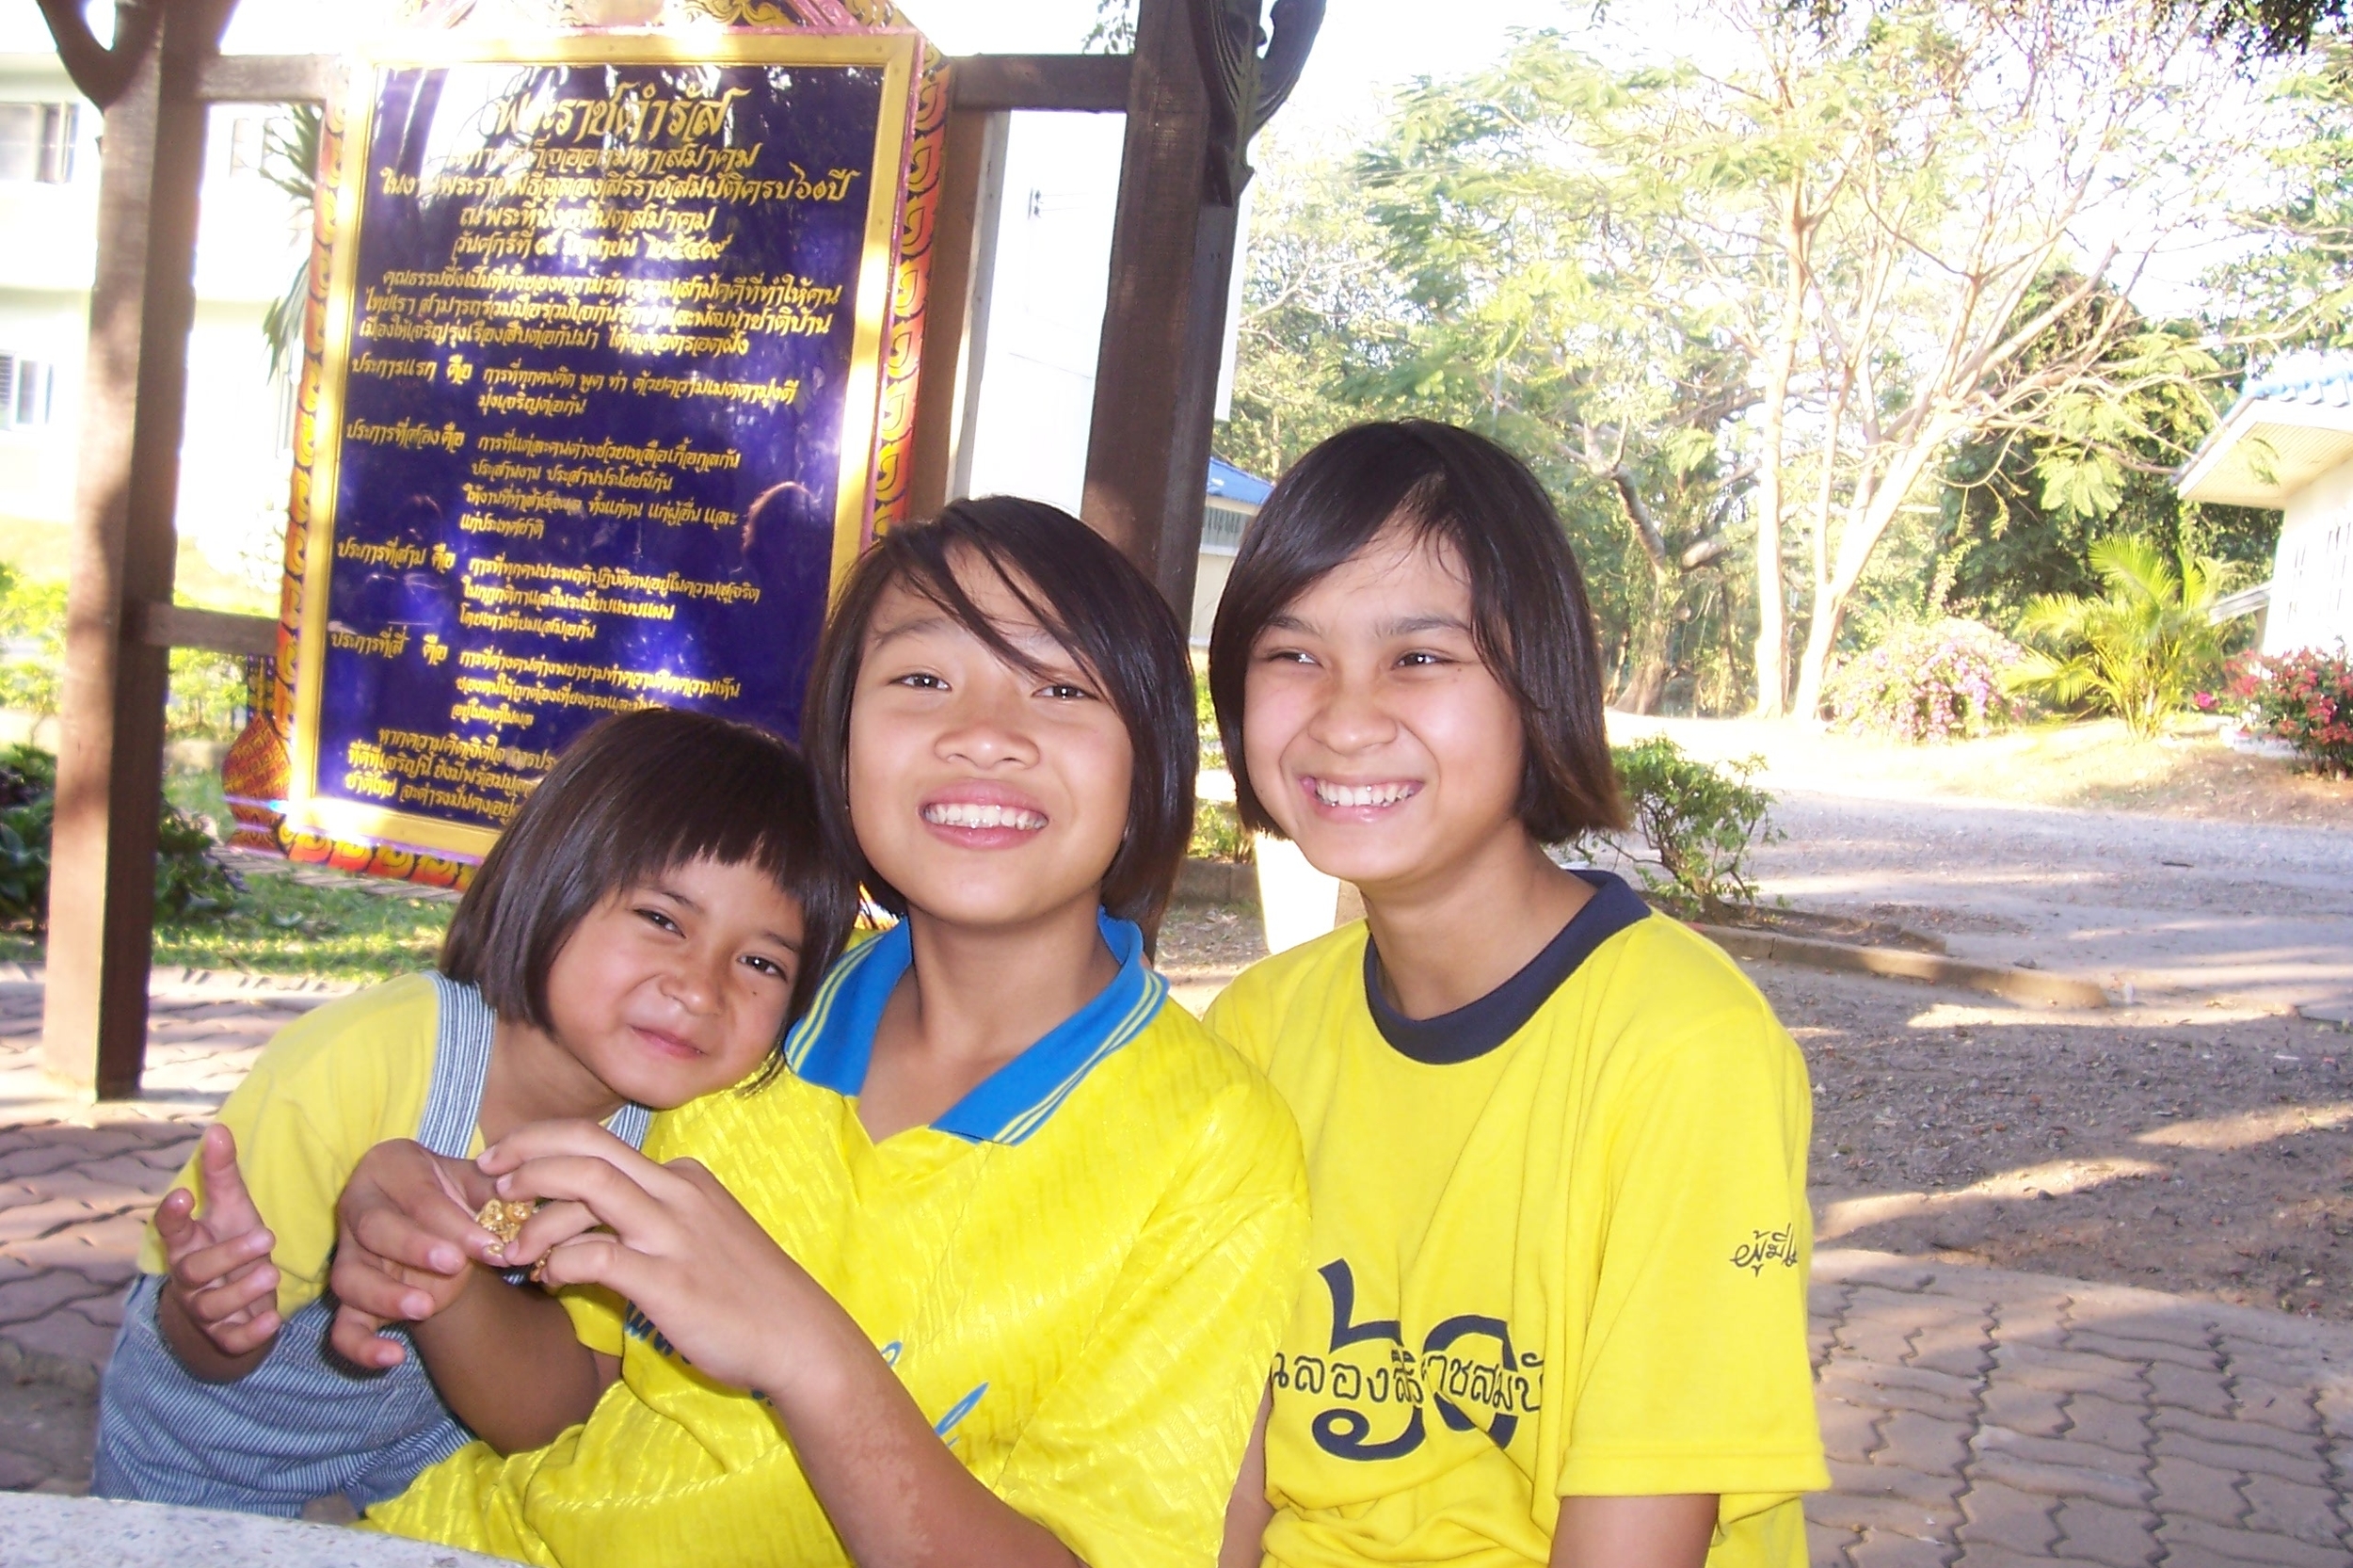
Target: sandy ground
(2198, 1140)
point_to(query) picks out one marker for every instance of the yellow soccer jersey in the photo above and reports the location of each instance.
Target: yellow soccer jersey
(1079, 1273)
(328, 1088)
(1559, 1247)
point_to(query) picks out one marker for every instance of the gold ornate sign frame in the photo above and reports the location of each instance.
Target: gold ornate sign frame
(897, 53)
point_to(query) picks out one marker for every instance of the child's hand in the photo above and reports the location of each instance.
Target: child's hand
(222, 1281)
(677, 1245)
(406, 1244)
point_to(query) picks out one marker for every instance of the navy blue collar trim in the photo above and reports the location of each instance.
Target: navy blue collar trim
(1472, 1031)
(832, 1046)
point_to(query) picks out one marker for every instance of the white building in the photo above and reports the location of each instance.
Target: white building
(2288, 442)
(235, 456)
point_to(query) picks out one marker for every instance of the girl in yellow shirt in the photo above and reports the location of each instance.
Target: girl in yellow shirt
(1555, 1144)
(993, 1271)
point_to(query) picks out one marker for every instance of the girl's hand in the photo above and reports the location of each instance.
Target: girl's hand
(406, 1245)
(220, 1282)
(676, 1243)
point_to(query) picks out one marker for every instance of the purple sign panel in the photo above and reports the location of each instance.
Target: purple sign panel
(602, 363)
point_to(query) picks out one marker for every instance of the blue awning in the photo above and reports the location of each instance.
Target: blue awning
(1228, 482)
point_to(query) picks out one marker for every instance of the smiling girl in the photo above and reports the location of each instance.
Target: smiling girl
(640, 933)
(1555, 1144)
(1005, 1251)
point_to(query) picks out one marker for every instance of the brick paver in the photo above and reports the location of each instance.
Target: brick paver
(1974, 1419)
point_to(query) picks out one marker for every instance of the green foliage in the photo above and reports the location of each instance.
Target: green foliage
(2142, 652)
(208, 692)
(32, 643)
(1217, 833)
(2297, 290)
(2304, 697)
(1938, 680)
(189, 884)
(290, 161)
(1701, 822)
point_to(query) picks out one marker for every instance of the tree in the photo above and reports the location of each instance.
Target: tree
(2297, 290)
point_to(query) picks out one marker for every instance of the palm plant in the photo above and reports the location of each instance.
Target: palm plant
(2141, 650)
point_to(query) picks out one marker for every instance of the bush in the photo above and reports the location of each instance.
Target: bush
(2305, 698)
(1701, 822)
(1939, 682)
(207, 695)
(189, 883)
(32, 643)
(1217, 834)
(2142, 652)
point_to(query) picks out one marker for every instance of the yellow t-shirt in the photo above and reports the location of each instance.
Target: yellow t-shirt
(1560, 1247)
(1079, 1273)
(328, 1088)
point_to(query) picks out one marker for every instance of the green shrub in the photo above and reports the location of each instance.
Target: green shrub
(1217, 833)
(189, 883)
(207, 690)
(32, 643)
(1700, 821)
(2142, 652)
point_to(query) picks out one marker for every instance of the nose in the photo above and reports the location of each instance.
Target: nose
(988, 728)
(694, 980)
(1350, 718)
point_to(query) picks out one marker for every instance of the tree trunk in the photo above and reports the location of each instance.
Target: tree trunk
(1772, 619)
(1865, 523)
(1646, 675)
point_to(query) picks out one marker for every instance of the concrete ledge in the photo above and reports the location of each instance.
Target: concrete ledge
(1216, 882)
(2058, 990)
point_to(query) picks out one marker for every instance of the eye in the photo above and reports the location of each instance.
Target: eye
(1285, 656)
(921, 681)
(765, 965)
(1062, 691)
(1423, 658)
(658, 919)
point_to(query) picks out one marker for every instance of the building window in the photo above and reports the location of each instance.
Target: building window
(249, 143)
(1222, 525)
(37, 142)
(28, 392)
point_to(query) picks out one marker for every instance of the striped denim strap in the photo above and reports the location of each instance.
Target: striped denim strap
(461, 1064)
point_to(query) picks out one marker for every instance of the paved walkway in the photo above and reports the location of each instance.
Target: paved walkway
(1974, 1419)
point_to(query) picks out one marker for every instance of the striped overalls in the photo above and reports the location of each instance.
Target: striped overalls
(305, 1423)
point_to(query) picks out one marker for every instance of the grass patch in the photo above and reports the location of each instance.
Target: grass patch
(280, 927)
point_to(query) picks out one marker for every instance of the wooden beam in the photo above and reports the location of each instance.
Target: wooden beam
(948, 317)
(1172, 255)
(178, 626)
(269, 78)
(101, 889)
(1084, 84)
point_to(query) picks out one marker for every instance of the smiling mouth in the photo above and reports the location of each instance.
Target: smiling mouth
(966, 815)
(1344, 796)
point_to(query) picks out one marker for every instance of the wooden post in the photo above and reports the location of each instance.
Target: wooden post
(1172, 255)
(1199, 90)
(102, 897)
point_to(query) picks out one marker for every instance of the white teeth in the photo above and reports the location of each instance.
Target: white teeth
(1362, 795)
(962, 814)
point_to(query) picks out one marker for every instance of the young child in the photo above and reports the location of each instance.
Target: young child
(1006, 1248)
(639, 936)
(1556, 1142)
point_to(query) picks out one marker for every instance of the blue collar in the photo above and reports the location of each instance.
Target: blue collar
(831, 1046)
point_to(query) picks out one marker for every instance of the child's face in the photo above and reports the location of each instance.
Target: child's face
(1375, 736)
(988, 796)
(677, 988)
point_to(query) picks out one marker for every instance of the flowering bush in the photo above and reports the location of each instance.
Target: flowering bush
(1939, 682)
(2304, 698)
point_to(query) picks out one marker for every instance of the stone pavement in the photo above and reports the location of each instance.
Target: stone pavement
(1974, 1419)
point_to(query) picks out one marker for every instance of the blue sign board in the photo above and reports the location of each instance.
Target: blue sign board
(603, 354)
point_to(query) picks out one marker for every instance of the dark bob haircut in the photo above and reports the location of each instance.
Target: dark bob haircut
(632, 797)
(1528, 612)
(1086, 595)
